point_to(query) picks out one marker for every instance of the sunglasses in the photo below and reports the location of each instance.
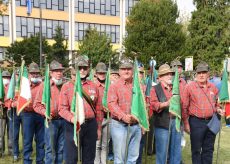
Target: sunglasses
(82, 67)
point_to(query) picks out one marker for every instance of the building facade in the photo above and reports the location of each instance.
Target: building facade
(104, 15)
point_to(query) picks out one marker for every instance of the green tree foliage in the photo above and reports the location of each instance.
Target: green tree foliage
(96, 46)
(209, 32)
(59, 48)
(29, 47)
(153, 31)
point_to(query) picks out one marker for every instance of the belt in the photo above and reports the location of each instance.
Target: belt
(89, 119)
(116, 119)
(205, 119)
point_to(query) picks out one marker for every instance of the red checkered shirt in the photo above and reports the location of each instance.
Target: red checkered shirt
(40, 108)
(120, 98)
(196, 103)
(66, 96)
(154, 102)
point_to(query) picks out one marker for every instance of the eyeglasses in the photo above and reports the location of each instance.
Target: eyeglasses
(83, 67)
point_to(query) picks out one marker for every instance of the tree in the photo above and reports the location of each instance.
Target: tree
(3, 7)
(209, 37)
(59, 48)
(96, 46)
(153, 31)
(29, 47)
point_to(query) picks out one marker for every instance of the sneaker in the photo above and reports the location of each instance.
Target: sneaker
(15, 158)
(110, 157)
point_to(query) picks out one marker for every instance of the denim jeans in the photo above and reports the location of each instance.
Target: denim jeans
(54, 141)
(202, 141)
(119, 136)
(88, 137)
(33, 125)
(101, 145)
(14, 125)
(142, 145)
(174, 148)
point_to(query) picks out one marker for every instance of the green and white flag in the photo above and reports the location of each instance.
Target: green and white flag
(11, 90)
(46, 94)
(223, 94)
(77, 106)
(2, 92)
(138, 107)
(175, 105)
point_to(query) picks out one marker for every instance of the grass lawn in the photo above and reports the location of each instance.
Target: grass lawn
(224, 153)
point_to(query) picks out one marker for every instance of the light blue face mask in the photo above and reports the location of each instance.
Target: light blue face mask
(57, 82)
(35, 80)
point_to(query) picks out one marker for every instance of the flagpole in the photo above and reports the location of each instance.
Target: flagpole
(78, 133)
(108, 119)
(218, 145)
(40, 33)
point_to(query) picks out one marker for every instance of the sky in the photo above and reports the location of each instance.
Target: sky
(185, 7)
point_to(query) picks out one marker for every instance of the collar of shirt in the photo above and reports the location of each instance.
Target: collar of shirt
(99, 84)
(125, 82)
(208, 85)
(167, 87)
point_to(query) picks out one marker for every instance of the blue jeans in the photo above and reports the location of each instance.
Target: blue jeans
(33, 125)
(142, 145)
(174, 149)
(119, 135)
(54, 141)
(202, 141)
(14, 125)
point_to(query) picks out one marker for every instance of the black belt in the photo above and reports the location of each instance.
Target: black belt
(205, 119)
(116, 119)
(89, 119)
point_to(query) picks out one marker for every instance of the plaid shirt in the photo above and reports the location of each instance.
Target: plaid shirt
(120, 98)
(154, 102)
(196, 103)
(34, 90)
(66, 96)
(40, 108)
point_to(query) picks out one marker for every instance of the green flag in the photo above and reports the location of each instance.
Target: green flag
(223, 94)
(17, 86)
(138, 107)
(11, 90)
(2, 92)
(77, 106)
(107, 84)
(46, 94)
(175, 105)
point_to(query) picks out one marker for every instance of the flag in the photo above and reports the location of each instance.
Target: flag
(17, 85)
(77, 106)
(223, 94)
(175, 105)
(11, 90)
(46, 94)
(24, 97)
(138, 106)
(2, 92)
(29, 7)
(151, 78)
(107, 84)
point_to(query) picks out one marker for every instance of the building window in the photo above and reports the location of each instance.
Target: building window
(30, 26)
(2, 52)
(112, 31)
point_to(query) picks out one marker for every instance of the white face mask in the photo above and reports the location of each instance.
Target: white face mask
(6, 81)
(35, 80)
(57, 82)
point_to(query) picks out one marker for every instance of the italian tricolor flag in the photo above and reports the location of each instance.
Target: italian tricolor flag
(24, 96)
(77, 106)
